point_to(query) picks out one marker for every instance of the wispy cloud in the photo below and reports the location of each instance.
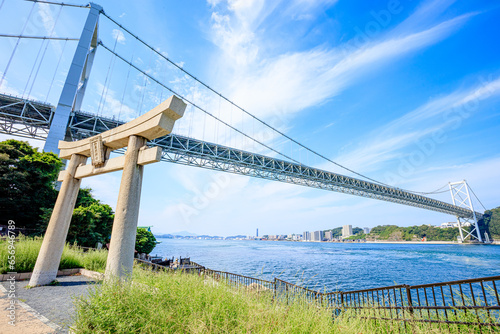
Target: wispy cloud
(118, 36)
(446, 112)
(266, 83)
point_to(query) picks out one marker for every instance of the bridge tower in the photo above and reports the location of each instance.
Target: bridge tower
(461, 197)
(76, 81)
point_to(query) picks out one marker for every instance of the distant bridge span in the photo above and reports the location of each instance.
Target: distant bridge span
(32, 119)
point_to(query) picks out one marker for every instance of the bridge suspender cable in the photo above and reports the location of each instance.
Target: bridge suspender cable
(224, 98)
(237, 106)
(15, 47)
(476, 197)
(246, 112)
(197, 106)
(59, 3)
(45, 50)
(41, 37)
(55, 72)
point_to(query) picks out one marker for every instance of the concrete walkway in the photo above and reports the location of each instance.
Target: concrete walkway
(46, 309)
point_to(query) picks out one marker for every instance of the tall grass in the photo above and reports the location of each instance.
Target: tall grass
(94, 260)
(27, 249)
(158, 302)
(187, 303)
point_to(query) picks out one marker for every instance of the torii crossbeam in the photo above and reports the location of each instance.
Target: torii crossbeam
(156, 123)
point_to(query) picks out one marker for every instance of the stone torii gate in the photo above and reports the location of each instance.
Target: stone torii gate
(156, 123)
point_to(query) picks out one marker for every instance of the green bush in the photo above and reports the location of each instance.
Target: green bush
(145, 241)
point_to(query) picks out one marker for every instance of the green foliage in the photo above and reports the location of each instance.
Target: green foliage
(337, 232)
(27, 249)
(357, 230)
(85, 198)
(145, 241)
(491, 221)
(91, 224)
(26, 183)
(95, 260)
(383, 231)
(432, 233)
(358, 236)
(185, 303)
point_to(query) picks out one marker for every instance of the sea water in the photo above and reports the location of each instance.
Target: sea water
(339, 266)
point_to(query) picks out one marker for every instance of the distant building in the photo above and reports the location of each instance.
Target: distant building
(306, 236)
(257, 233)
(366, 230)
(346, 231)
(317, 236)
(329, 235)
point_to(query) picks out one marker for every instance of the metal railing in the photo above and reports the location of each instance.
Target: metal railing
(471, 302)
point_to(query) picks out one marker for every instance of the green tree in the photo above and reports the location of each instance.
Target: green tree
(145, 241)
(26, 183)
(91, 224)
(491, 221)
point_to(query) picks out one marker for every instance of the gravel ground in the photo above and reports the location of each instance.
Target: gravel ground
(55, 302)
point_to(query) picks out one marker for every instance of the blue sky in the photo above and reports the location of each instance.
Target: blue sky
(406, 92)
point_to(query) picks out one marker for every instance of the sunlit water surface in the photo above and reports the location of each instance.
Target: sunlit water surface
(339, 266)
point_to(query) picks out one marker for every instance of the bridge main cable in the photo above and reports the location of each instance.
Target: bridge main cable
(34, 116)
(237, 106)
(196, 105)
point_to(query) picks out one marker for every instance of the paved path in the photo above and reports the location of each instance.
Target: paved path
(46, 309)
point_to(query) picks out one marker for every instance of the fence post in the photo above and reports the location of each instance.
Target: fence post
(410, 301)
(274, 292)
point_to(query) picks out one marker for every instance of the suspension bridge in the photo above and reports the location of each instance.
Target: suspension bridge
(25, 116)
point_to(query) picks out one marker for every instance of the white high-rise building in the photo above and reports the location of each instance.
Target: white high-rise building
(317, 236)
(366, 230)
(306, 236)
(346, 231)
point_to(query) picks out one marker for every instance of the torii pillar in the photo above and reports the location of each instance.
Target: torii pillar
(156, 123)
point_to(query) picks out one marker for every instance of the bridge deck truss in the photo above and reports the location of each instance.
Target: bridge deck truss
(32, 119)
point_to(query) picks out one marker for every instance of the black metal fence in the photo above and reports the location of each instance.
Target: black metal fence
(474, 303)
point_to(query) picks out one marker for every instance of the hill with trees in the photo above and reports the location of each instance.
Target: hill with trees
(491, 223)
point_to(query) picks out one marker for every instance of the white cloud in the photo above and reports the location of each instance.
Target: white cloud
(275, 86)
(118, 36)
(111, 106)
(49, 24)
(447, 112)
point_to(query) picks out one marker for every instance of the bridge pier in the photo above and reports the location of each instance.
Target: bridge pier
(48, 260)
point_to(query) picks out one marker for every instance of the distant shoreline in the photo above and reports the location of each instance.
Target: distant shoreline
(418, 242)
(428, 242)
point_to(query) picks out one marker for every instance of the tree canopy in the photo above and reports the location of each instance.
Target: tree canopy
(491, 222)
(145, 241)
(432, 233)
(27, 179)
(27, 195)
